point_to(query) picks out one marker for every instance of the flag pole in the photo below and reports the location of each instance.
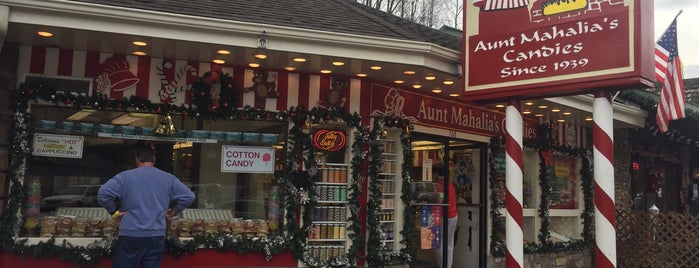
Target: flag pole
(678, 14)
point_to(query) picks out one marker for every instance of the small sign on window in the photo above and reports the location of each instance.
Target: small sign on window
(247, 159)
(64, 146)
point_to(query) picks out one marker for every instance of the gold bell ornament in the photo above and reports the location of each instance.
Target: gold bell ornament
(165, 126)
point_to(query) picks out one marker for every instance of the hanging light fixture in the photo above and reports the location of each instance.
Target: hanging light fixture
(261, 46)
(165, 126)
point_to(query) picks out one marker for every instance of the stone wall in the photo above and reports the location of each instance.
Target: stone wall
(569, 259)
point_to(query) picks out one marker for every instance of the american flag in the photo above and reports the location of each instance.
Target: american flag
(668, 71)
(500, 4)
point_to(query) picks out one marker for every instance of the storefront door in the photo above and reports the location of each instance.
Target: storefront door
(437, 161)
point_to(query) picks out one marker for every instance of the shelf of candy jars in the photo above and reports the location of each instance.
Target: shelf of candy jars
(388, 175)
(328, 238)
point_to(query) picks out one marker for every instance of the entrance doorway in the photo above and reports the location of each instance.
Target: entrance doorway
(439, 160)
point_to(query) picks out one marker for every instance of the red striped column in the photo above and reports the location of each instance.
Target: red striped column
(514, 238)
(605, 223)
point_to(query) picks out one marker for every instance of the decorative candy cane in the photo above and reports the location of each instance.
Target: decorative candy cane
(169, 88)
(514, 237)
(605, 223)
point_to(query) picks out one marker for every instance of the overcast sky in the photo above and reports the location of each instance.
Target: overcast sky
(687, 30)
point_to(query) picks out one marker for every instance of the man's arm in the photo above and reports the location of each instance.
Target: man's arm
(107, 195)
(182, 196)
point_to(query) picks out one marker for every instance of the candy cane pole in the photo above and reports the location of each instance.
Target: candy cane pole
(605, 223)
(514, 238)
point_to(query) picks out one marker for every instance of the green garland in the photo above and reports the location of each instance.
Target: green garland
(374, 249)
(543, 143)
(408, 233)
(359, 154)
(377, 256)
(497, 245)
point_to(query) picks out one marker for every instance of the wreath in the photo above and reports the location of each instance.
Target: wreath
(214, 90)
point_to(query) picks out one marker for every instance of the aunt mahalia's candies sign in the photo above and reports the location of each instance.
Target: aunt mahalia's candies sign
(555, 47)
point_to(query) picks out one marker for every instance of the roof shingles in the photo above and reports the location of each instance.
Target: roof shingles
(341, 16)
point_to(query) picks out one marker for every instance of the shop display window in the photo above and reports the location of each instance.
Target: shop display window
(75, 151)
(565, 183)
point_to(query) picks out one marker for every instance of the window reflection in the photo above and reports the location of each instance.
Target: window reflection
(61, 188)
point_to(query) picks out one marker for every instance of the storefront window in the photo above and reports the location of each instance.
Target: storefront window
(75, 151)
(564, 185)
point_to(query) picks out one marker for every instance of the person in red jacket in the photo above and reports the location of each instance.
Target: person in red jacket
(452, 215)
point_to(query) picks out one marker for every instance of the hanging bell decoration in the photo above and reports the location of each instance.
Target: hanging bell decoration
(165, 126)
(384, 133)
(307, 128)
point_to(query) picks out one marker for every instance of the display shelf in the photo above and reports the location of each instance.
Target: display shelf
(327, 239)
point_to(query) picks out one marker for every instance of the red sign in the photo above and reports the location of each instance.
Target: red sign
(555, 48)
(329, 140)
(446, 114)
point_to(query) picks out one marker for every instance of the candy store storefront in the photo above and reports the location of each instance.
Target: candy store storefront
(290, 167)
(302, 151)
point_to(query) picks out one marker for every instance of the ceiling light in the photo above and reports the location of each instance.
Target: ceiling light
(453, 94)
(139, 53)
(299, 59)
(560, 120)
(588, 118)
(375, 68)
(529, 103)
(430, 77)
(437, 90)
(80, 115)
(140, 43)
(361, 75)
(325, 71)
(261, 56)
(44, 34)
(338, 63)
(417, 86)
(219, 61)
(567, 113)
(555, 110)
(223, 52)
(448, 82)
(539, 115)
(289, 68)
(543, 106)
(527, 111)
(399, 81)
(499, 105)
(254, 64)
(409, 72)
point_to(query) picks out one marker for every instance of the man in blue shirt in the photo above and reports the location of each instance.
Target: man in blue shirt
(145, 194)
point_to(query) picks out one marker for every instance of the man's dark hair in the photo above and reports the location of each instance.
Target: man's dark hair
(439, 168)
(145, 154)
